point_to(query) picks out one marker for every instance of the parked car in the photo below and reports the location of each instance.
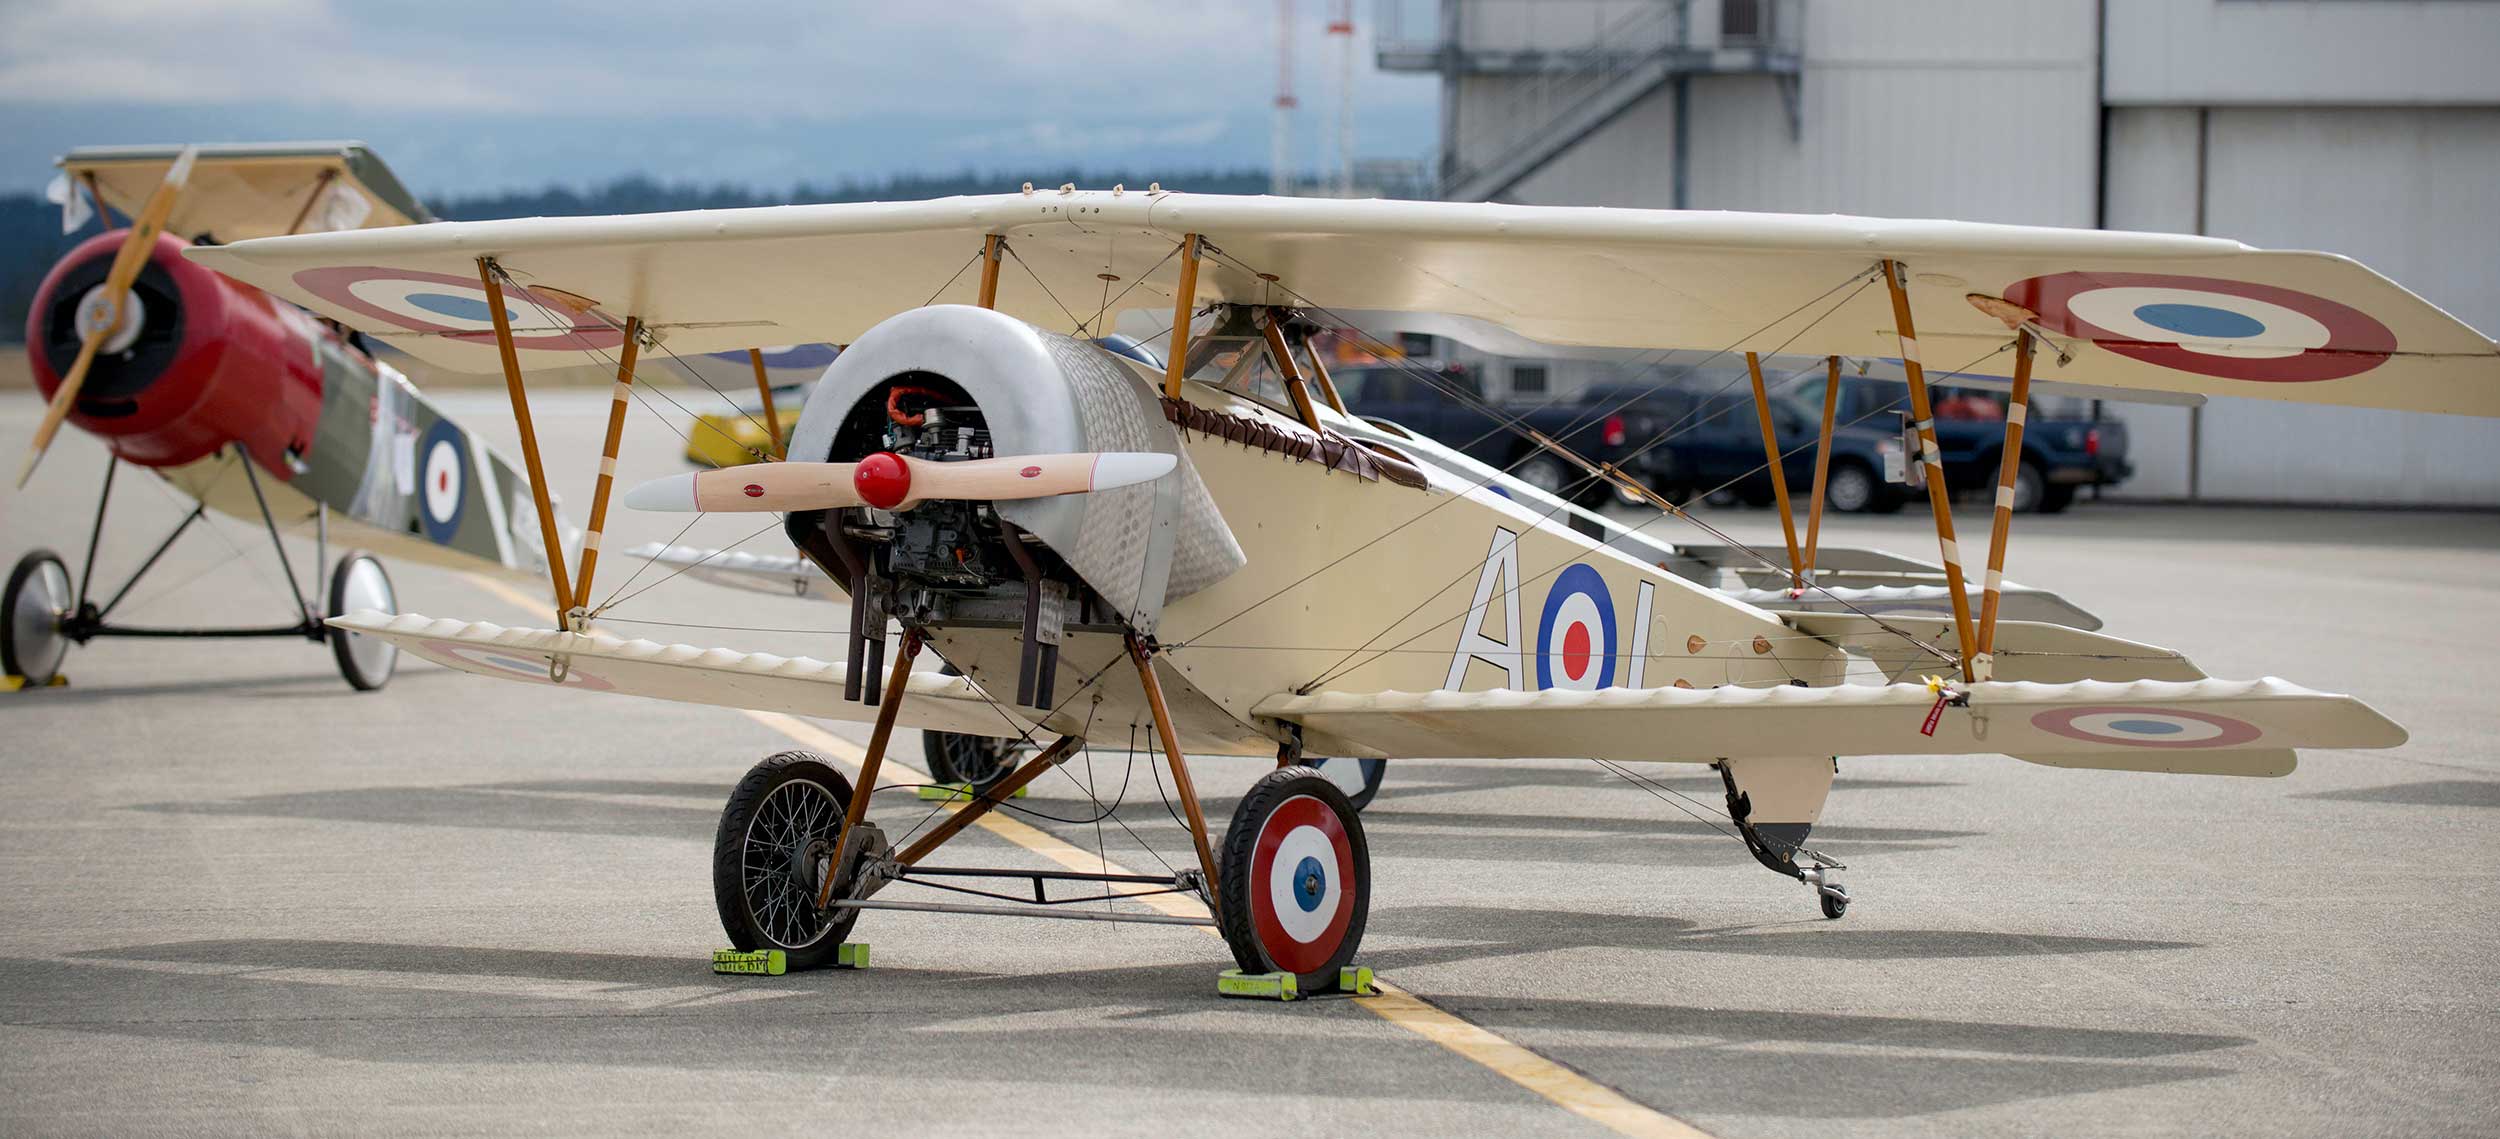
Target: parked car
(1607, 423)
(1718, 450)
(2066, 445)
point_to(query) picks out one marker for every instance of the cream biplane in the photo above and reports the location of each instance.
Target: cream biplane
(1214, 554)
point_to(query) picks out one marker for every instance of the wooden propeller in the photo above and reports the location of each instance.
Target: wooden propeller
(889, 481)
(127, 262)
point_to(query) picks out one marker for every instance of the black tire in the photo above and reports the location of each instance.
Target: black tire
(979, 762)
(1852, 487)
(808, 937)
(1364, 784)
(2056, 498)
(1544, 472)
(1834, 907)
(2030, 486)
(365, 662)
(1302, 806)
(31, 645)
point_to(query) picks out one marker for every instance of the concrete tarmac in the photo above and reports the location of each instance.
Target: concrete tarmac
(237, 897)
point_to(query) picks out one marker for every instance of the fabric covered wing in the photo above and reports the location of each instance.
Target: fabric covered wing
(2214, 727)
(2041, 653)
(2162, 312)
(761, 681)
(782, 575)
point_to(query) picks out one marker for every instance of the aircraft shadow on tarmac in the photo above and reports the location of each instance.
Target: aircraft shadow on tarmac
(428, 1004)
(2433, 793)
(1662, 837)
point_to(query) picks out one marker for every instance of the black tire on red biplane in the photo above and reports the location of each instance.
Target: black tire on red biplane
(1360, 779)
(359, 582)
(38, 597)
(1294, 882)
(775, 839)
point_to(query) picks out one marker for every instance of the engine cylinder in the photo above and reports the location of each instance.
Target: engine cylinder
(209, 361)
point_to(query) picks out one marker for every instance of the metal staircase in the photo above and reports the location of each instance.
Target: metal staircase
(1563, 96)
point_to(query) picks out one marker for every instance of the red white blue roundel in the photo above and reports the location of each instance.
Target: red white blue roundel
(443, 480)
(1575, 643)
(2147, 727)
(2235, 330)
(1301, 885)
(456, 307)
(510, 665)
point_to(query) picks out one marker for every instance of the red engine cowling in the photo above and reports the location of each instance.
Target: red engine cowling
(207, 361)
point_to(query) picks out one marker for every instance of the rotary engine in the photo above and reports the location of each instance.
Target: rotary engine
(198, 361)
(951, 383)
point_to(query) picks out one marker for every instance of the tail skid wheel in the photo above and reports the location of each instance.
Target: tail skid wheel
(37, 600)
(1294, 883)
(769, 858)
(1358, 778)
(978, 761)
(359, 582)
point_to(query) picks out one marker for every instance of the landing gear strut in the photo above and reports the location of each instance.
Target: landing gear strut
(1781, 852)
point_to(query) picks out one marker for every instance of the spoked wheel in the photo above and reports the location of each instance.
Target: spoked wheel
(359, 583)
(1295, 880)
(1358, 778)
(979, 761)
(38, 599)
(769, 859)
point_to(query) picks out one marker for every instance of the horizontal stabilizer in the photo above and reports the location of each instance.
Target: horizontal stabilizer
(2025, 650)
(800, 686)
(2205, 726)
(2020, 603)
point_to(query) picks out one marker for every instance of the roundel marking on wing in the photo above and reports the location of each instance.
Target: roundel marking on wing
(1575, 641)
(455, 307)
(2147, 727)
(2209, 326)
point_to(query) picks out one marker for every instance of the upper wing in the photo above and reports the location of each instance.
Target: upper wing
(246, 190)
(2146, 311)
(2216, 727)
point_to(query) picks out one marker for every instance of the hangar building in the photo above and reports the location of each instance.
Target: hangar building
(2364, 127)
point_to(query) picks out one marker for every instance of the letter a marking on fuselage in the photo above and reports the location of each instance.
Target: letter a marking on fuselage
(1501, 566)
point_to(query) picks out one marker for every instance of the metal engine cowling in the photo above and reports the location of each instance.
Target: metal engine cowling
(1041, 393)
(206, 361)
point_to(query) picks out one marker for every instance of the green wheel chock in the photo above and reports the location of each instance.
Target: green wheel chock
(1257, 986)
(761, 963)
(959, 792)
(1356, 981)
(851, 955)
(15, 683)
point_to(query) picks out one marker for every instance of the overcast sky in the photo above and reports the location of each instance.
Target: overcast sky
(470, 95)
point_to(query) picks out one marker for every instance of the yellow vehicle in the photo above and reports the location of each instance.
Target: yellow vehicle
(742, 435)
(728, 438)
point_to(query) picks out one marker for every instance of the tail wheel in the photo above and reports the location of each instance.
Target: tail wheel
(38, 599)
(1295, 881)
(769, 859)
(359, 583)
(1358, 778)
(978, 761)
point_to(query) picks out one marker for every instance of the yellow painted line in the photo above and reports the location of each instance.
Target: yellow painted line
(1510, 1060)
(544, 607)
(1561, 1086)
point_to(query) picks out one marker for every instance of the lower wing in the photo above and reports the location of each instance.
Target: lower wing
(2213, 727)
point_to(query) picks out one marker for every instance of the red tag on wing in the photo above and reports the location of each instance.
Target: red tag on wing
(1933, 715)
(754, 491)
(1031, 472)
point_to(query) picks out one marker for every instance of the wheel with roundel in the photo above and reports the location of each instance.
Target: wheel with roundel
(1294, 883)
(1358, 778)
